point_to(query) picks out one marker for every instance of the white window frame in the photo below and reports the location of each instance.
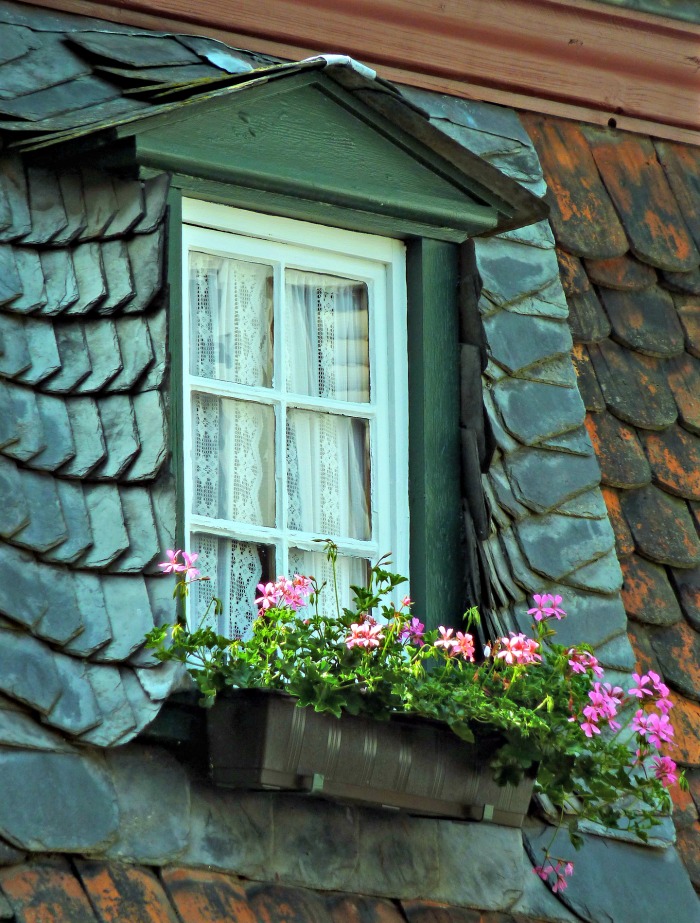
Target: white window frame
(381, 263)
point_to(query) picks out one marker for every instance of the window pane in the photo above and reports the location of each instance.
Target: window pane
(234, 569)
(328, 474)
(234, 459)
(230, 319)
(327, 336)
(349, 571)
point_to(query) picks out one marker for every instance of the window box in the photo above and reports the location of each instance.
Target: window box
(262, 740)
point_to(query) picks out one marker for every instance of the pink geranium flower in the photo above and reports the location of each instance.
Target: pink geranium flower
(173, 564)
(446, 641)
(188, 569)
(364, 635)
(464, 645)
(518, 649)
(665, 770)
(413, 632)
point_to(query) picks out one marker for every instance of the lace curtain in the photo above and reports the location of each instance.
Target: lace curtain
(326, 355)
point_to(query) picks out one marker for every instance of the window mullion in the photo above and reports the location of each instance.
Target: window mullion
(281, 420)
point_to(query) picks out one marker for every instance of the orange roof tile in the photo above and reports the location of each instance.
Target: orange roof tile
(582, 216)
(624, 543)
(119, 892)
(622, 272)
(46, 891)
(643, 199)
(208, 897)
(674, 454)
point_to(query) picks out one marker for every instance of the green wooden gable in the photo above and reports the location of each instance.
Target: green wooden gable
(323, 140)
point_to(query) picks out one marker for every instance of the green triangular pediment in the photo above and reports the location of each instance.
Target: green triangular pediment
(361, 150)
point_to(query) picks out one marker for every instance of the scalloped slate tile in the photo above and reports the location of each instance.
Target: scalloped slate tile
(24, 597)
(573, 442)
(104, 353)
(589, 505)
(558, 409)
(70, 495)
(677, 648)
(601, 576)
(588, 386)
(19, 728)
(583, 218)
(155, 197)
(573, 276)
(43, 351)
(45, 205)
(74, 203)
(9, 432)
(75, 359)
(63, 801)
(158, 330)
(87, 437)
(57, 434)
(548, 302)
(28, 671)
(675, 461)
(110, 538)
(119, 427)
(542, 480)
(555, 545)
(153, 436)
(120, 283)
(508, 271)
(146, 257)
(10, 282)
(129, 612)
(689, 316)
(684, 380)
(60, 281)
(14, 353)
(100, 203)
(31, 276)
(134, 50)
(143, 707)
(14, 185)
(624, 273)
(647, 593)
(680, 163)
(97, 629)
(118, 719)
(619, 452)
(15, 509)
(503, 492)
(27, 421)
(636, 388)
(517, 341)
(131, 207)
(141, 529)
(624, 543)
(89, 273)
(46, 527)
(76, 709)
(662, 528)
(688, 282)
(638, 187)
(588, 321)
(136, 352)
(687, 584)
(62, 621)
(645, 321)
(559, 372)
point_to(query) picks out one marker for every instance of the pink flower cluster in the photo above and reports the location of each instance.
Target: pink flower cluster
(176, 566)
(582, 661)
(546, 607)
(365, 634)
(561, 869)
(605, 702)
(462, 643)
(518, 649)
(284, 593)
(413, 631)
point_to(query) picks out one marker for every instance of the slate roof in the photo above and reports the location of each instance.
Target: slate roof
(626, 220)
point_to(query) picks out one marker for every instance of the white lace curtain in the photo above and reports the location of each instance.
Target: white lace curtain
(326, 355)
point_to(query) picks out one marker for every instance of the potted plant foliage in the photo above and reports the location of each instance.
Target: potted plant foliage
(369, 706)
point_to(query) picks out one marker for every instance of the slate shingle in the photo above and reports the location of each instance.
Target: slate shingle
(689, 317)
(14, 352)
(104, 355)
(109, 533)
(14, 185)
(29, 433)
(48, 215)
(644, 321)
(87, 437)
(638, 187)
(43, 351)
(134, 50)
(683, 374)
(46, 527)
(101, 204)
(62, 620)
(131, 207)
(109, 689)
(558, 410)
(542, 480)
(120, 283)
(76, 710)
(636, 388)
(89, 272)
(33, 297)
(141, 529)
(75, 359)
(662, 528)
(588, 386)
(555, 545)
(97, 630)
(10, 282)
(682, 167)
(28, 670)
(573, 276)
(121, 436)
(151, 423)
(647, 592)
(583, 218)
(129, 613)
(146, 259)
(72, 500)
(624, 273)
(60, 280)
(155, 192)
(136, 352)
(24, 597)
(588, 321)
(74, 203)
(674, 455)
(619, 451)
(624, 543)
